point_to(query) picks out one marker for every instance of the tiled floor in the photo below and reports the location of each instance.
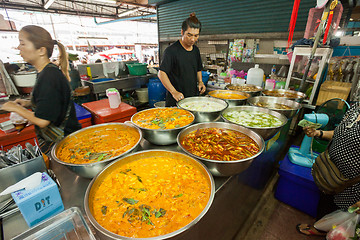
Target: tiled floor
(274, 220)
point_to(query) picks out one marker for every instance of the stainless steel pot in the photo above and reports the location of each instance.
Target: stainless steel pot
(267, 132)
(298, 96)
(224, 168)
(271, 101)
(107, 235)
(204, 116)
(231, 102)
(90, 170)
(158, 136)
(237, 87)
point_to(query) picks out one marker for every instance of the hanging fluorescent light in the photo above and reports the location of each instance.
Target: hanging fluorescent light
(48, 3)
(127, 12)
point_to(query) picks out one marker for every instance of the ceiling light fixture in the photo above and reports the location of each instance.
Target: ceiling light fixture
(48, 3)
(106, 1)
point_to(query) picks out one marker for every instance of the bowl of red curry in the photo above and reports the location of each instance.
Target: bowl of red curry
(226, 149)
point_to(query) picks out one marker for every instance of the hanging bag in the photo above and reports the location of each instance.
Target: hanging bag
(327, 176)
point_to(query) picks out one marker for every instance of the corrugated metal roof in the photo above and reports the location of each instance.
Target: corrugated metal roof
(232, 16)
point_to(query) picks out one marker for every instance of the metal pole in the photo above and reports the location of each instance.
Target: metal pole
(313, 50)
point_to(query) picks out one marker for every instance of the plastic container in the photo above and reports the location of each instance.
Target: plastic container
(296, 187)
(255, 76)
(69, 224)
(142, 94)
(137, 69)
(114, 97)
(205, 77)
(280, 85)
(270, 84)
(83, 116)
(156, 91)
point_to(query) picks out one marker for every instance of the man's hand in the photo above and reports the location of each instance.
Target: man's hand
(202, 87)
(177, 96)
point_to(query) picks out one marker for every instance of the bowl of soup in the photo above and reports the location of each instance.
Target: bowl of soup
(225, 148)
(153, 194)
(205, 109)
(251, 89)
(87, 151)
(281, 105)
(161, 125)
(233, 98)
(283, 93)
(263, 121)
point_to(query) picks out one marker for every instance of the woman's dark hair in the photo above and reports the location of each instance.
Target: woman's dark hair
(42, 38)
(191, 22)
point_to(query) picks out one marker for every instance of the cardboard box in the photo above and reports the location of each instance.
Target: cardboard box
(333, 89)
(39, 203)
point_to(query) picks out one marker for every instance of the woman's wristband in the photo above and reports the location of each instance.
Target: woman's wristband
(321, 134)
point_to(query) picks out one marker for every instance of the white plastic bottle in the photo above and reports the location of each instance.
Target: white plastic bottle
(114, 97)
(255, 76)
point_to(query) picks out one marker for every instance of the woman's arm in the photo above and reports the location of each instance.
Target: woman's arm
(311, 132)
(167, 84)
(14, 107)
(23, 102)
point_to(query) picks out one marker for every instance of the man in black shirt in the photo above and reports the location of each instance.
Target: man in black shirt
(180, 69)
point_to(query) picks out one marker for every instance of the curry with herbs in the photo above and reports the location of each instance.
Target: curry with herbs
(220, 144)
(150, 197)
(163, 118)
(98, 144)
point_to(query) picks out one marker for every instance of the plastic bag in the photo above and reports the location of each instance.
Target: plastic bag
(333, 219)
(17, 119)
(344, 231)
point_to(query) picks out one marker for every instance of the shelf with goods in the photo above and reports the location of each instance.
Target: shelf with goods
(299, 60)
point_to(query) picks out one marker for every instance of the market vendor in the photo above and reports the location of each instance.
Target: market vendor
(180, 68)
(51, 96)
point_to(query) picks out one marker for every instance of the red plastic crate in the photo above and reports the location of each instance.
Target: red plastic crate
(102, 113)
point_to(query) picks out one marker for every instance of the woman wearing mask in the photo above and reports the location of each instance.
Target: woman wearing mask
(51, 96)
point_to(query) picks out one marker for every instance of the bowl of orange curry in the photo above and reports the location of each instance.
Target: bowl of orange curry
(161, 125)
(233, 98)
(225, 148)
(153, 194)
(87, 151)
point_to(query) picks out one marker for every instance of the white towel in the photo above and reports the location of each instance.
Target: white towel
(111, 67)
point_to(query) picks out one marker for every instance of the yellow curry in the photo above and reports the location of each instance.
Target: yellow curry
(150, 197)
(227, 95)
(163, 118)
(98, 144)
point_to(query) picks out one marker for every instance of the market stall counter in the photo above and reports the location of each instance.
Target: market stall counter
(235, 197)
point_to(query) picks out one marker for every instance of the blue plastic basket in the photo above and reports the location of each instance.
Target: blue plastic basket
(205, 77)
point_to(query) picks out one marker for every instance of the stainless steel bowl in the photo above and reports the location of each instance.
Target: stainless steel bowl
(271, 101)
(159, 136)
(90, 170)
(224, 168)
(107, 235)
(267, 132)
(234, 87)
(204, 116)
(298, 96)
(231, 101)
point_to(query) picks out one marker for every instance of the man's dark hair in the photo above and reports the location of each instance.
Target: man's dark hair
(191, 22)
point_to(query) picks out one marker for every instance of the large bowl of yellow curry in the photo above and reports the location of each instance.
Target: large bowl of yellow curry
(161, 126)
(87, 151)
(153, 194)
